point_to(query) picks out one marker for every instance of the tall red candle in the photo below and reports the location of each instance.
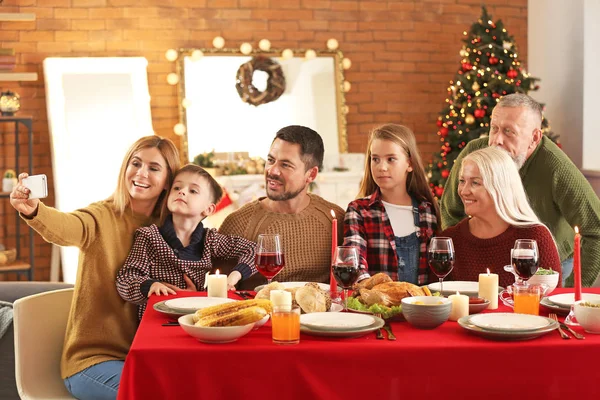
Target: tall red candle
(577, 264)
(334, 240)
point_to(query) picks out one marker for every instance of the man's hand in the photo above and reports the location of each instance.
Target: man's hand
(159, 288)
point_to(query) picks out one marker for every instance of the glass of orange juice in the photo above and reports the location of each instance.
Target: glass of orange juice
(285, 322)
(527, 299)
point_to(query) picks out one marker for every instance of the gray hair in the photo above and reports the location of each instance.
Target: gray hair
(502, 181)
(521, 100)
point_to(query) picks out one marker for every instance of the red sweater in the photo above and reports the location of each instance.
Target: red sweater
(473, 255)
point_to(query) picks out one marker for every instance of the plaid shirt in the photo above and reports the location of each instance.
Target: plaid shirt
(367, 226)
(151, 257)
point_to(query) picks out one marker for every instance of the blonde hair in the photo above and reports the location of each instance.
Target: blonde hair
(121, 198)
(417, 184)
(502, 181)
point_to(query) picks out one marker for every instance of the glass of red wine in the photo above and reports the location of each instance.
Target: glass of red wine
(269, 255)
(440, 256)
(346, 269)
(524, 258)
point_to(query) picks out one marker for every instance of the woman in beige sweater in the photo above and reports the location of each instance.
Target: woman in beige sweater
(101, 326)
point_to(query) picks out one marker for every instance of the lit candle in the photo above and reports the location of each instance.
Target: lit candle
(334, 229)
(281, 299)
(217, 284)
(488, 288)
(460, 306)
(577, 265)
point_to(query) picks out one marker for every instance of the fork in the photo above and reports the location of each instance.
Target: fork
(562, 333)
(378, 333)
(578, 336)
(388, 329)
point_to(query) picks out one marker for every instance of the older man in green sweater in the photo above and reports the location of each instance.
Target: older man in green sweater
(558, 192)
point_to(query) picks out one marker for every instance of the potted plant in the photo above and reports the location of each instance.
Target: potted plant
(9, 181)
(205, 160)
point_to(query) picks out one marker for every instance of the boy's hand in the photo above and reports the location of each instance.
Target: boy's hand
(233, 278)
(190, 286)
(159, 289)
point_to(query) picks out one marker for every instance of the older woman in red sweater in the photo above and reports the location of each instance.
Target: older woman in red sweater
(499, 214)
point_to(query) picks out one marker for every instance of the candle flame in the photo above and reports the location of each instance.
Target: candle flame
(333, 214)
(576, 230)
(488, 270)
(217, 273)
(457, 293)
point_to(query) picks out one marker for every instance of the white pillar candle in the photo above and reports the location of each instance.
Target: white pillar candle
(488, 289)
(460, 306)
(217, 285)
(281, 299)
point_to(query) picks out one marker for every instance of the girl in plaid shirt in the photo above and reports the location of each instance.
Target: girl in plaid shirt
(395, 213)
(180, 252)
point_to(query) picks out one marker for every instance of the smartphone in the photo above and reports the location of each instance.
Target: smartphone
(38, 186)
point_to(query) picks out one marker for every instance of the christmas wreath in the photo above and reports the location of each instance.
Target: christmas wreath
(275, 82)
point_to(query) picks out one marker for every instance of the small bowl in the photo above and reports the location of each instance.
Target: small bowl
(549, 280)
(428, 315)
(261, 322)
(478, 307)
(588, 317)
(217, 334)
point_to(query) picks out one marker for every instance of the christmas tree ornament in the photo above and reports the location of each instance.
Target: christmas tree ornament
(475, 86)
(479, 113)
(470, 119)
(507, 45)
(467, 67)
(493, 60)
(445, 173)
(443, 132)
(512, 74)
(439, 122)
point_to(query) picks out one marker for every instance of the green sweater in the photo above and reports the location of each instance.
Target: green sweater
(101, 325)
(560, 195)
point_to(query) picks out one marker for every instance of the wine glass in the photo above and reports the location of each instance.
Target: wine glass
(346, 269)
(524, 257)
(269, 255)
(440, 257)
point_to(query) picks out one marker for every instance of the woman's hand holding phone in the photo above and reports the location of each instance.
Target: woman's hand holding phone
(19, 198)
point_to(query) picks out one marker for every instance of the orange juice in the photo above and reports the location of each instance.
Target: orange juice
(286, 326)
(527, 303)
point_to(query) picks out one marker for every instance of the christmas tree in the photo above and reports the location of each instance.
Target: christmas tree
(489, 69)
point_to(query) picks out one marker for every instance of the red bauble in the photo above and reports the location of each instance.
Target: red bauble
(495, 95)
(512, 74)
(479, 113)
(445, 173)
(438, 191)
(467, 67)
(444, 132)
(440, 165)
(493, 60)
(439, 122)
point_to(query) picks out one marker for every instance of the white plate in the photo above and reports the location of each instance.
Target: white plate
(465, 323)
(464, 287)
(510, 322)
(567, 299)
(350, 333)
(554, 307)
(289, 285)
(195, 303)
(336, 321)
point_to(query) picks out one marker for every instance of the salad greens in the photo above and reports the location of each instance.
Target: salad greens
(543, 271)
(386, 312)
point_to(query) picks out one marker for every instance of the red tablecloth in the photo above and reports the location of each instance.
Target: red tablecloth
(447, 362)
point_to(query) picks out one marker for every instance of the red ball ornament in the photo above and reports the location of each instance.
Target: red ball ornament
(444, 132)
(467, 67)
(495, 95)
(438, 191)
(440, 165)
(479, 113)
(439, 122)
(493, 60)
(512, 74)
(445, 174)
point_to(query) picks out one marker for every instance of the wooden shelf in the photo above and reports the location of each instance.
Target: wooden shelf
(17, 17)
(18, 76)
(15, 266)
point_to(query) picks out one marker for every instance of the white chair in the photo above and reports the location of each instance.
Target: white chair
(40, 322)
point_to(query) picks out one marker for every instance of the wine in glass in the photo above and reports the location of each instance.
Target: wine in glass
(440, 256)
(269, 255)
(346, 269)
(524, 257)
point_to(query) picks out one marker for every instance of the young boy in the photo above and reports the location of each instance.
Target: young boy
(180, 252)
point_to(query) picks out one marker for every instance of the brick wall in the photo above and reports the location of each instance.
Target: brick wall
(403, 54)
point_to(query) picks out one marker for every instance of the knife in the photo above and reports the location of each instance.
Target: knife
(571, 331)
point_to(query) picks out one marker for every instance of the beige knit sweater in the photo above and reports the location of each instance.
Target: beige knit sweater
(101, 325)
(306, 237)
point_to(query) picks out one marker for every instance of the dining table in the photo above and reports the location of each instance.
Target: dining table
(447, 362)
